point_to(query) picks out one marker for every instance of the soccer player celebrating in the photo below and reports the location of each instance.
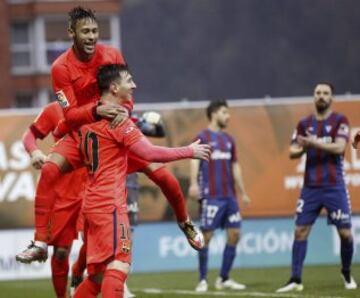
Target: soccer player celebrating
(214, 183)
(74, 82)
(151, 125)
(68, 191)
(105, 151)
(323, 137)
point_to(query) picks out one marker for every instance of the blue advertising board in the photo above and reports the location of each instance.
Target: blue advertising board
(264, 242)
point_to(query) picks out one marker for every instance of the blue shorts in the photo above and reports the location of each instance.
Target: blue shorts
(220, 213)
(335, 199)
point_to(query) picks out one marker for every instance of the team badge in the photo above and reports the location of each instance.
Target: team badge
(62, 100)
(126, 247)
(129, 130)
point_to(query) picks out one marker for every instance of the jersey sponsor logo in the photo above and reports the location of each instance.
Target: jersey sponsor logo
(339, 215)
(62, 100)
(235, 217)
(343, 129)
(217, 154)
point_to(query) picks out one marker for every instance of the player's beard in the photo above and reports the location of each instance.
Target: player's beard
(322, 106)
(222, 124)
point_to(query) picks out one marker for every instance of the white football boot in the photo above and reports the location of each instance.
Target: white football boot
(228, 284)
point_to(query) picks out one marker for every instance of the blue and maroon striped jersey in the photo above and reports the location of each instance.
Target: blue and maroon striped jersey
(323, 168)
(216, 176)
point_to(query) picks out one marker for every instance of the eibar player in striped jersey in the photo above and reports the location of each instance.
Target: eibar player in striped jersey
(213, 182)
(323, 136)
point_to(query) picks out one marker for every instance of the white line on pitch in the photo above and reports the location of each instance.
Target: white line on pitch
(219, 293)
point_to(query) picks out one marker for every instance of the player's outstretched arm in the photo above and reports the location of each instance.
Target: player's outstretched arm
(150, 152)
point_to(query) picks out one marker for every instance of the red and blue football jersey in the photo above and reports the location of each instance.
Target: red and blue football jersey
(323, 168)
(216, 176)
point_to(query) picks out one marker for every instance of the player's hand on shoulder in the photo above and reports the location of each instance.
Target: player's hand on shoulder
(194, 191)
(38, 159)
(116, 113)
(200, 151)
(356, 140)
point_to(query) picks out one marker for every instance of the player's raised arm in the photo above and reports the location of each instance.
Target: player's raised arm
(150, 152)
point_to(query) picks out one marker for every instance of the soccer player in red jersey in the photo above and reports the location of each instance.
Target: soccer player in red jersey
(68, 191)
(105, 151)
(74, 82)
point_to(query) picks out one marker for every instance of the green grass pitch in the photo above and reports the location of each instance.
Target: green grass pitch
(319, 282)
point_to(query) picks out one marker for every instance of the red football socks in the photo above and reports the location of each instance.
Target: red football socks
(113, 284)
(80, 265)
(59, 274)
(170, 187)
(88, 289)
(45, 200)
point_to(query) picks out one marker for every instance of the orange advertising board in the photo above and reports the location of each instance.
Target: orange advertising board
(262, 133)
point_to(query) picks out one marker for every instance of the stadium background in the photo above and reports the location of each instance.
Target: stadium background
(264, 58)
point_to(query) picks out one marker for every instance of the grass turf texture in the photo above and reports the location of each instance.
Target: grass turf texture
(319, 281)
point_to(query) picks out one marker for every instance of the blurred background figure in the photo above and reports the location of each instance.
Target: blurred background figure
(214, 183)
(323, 137)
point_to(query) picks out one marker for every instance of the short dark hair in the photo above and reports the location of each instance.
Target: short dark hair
(79, 13)
(331, 86)
(214, 106)
(108, 73)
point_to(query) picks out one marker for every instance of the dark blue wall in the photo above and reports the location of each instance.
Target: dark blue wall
(200, 49)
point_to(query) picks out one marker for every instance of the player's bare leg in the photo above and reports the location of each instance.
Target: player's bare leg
(51, 171)
(170, 187)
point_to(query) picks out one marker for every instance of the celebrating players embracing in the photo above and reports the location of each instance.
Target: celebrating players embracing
(74, 82)
(105, 151)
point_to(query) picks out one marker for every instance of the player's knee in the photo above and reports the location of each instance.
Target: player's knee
(345, 234)
(61, 253)
(153, 167)
(234, 237)
(119, 265)
(207, 237)
(97, 278)
(301, 232)
(60, 161)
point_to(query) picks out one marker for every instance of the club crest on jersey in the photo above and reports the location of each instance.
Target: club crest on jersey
(126, 247)
(328, 128)
(129, 129)
(62, 100)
